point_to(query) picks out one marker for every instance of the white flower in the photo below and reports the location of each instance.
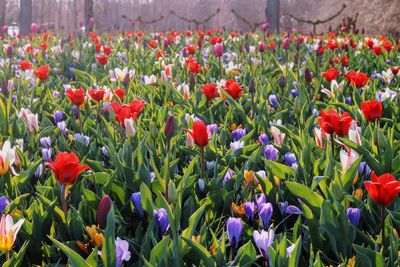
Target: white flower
(236, 145)
(347, 158)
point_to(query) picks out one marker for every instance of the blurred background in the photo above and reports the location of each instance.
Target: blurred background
(374, 16)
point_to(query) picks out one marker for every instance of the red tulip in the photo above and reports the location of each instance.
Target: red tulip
(77, 96)
(102, 59)
(233, 89)
(199, 133)
(210, 90)
(136, 106)
(377, 50)
(331, 74)
(66, 167)
(331, 122)
(25, 65)
(359, 79)
(42, 72)
(97, 94)
(382, 189)
(103, 210)
(120, 93)
(372, 110)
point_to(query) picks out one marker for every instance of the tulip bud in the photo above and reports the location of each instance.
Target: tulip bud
(286, 44)
(172, 194)
(261, 47)
(9, 50)
(282, 82)
(153, 130)
(4, 87)
(170, 127)
(218, 49)
(166, 42)
(307, 75)
(252, 86)
(265, 26)
(103, 210)
(34, 28)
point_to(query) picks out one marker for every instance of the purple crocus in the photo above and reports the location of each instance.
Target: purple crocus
(294, 93)
(261, 199)
(39, 171)
(249, 209)
(162, 221)
(354, 216)
(263, 241)
(45, 142)
(282, 207)
(238, 134)
(290, 159)
(263, 139)
(228, 176)
(270, 152)
(265, 211)
(211, 129)
(121, 251)
(58, 116)
(137, 203)
(273, 100)
(291, 209)
(364, 169)
(234, 228)
(3, 203)
(46, 152)
(62, 126)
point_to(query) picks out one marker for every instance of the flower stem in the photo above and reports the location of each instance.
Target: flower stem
(383, 227)
(332, 147)
(202, 162)
(63, 200)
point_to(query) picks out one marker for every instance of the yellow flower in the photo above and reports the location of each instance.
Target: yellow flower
(249, 179)
(96, 238)
(213, 249)
(170, 104)
(355, 179)
(196, 239)
(358, 193)
(352, 261)
(8, 232)
(395, 233)
(277, 180)
(237, 210)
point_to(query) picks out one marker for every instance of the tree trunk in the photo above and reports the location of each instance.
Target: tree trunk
(25, 18)
(88, 14)
(272, 13)
(3, 4)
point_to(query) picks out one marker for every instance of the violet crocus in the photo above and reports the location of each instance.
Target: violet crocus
(282, 207)
(58, 116)
(263, 241)
(249, 209)
(260, 199)
(265, 211)
(162, 221)
(354, 216)
(122, 252)
(234, 228)
(39, 171)
(62, 126)
(236, 145)
(273, 100)
(363, 169)
(45, 142)
(238, 134)
(46, 153)
(3, 203)
(263, 139)
(270, 152)
(137, 203)
(228, 176)
(290, 159)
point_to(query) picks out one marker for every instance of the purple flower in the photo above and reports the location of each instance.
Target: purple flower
(263, 241)
(137, 203)
(81, 138)
(58, 116)
(270, 152)
(293, 210)
(294, 93)
(234, 228)
(162, 221)
(45, 142)
(261, 199)
(46, 152)
(211, 129)
(273, 100)
(265, 211)
(354, 216)
(364, 169)
(238, 134)
(121, 251)
(249, 209)
(228, 176)
(3, 203)
(282, 207)
(263, 139)
(39, 171)
(349, 101)
(218, 49)
(104, 151)
(290, 159)
(62, 126)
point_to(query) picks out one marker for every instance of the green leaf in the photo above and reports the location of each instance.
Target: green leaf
(74, 258)
(17, 258)
(108, 249)
(201, 252)
(246, 255)
(280, 170)
(159, 250)
(305, 193)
